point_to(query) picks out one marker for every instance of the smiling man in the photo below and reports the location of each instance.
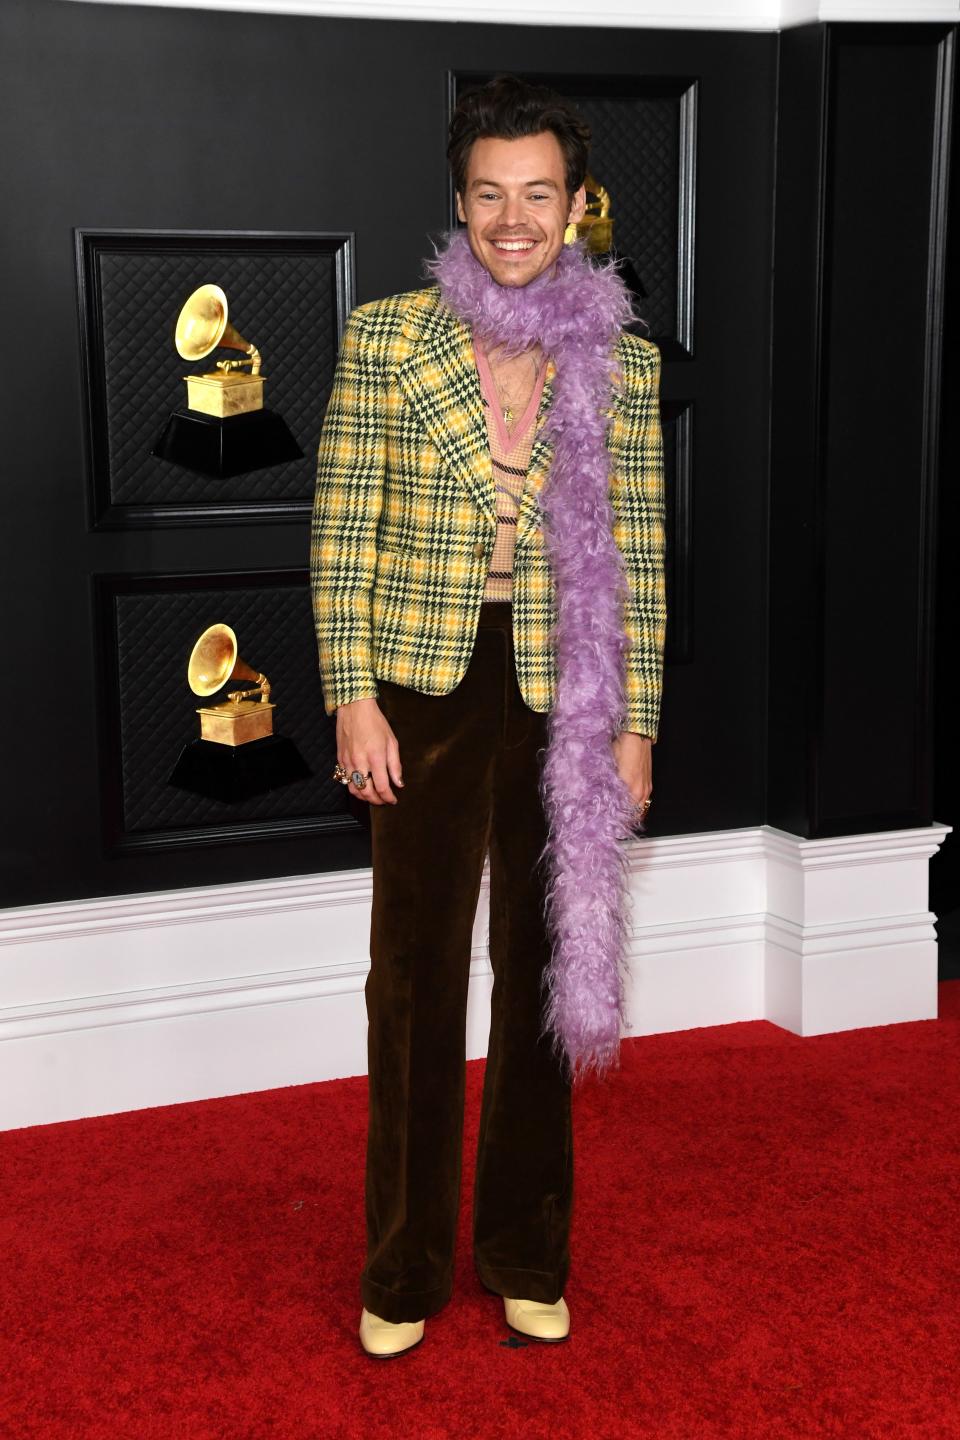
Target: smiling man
(512, 195)
(487, 545)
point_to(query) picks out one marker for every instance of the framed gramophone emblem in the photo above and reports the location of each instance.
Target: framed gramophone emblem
(161, 308)
(210, 716)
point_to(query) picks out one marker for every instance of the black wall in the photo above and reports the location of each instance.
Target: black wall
(860, 261)
(945, 867)
(138, 118)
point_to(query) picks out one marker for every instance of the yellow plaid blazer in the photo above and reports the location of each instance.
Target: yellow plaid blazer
(404, 516)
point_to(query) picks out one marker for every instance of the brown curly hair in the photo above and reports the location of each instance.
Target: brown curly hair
(507, 108)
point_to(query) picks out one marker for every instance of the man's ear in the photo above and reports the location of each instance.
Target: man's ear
(578, 206)
(461, 213)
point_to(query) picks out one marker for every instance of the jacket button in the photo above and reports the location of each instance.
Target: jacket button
(479, 548)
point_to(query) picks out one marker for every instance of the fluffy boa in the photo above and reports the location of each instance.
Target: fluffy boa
(576, 313)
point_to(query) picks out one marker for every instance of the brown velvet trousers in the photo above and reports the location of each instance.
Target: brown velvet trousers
(471, 763)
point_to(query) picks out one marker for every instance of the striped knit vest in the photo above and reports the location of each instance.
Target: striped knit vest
(510, 457)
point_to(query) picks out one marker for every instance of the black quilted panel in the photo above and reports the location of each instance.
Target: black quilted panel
(285, 302)
(155, 632)
(635, 153)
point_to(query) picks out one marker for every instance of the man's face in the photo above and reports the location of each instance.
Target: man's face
(516, 206)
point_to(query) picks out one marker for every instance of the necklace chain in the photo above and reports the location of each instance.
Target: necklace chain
(509, 397)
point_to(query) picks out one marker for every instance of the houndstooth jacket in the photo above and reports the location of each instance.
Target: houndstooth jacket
(404, 516)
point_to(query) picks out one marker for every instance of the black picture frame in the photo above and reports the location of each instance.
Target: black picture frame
(131, 371)
(143, 627)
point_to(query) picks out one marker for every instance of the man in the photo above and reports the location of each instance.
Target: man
(436, 602)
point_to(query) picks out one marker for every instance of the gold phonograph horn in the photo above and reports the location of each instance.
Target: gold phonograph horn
(596, 227)
(202, 327)
(214, 661)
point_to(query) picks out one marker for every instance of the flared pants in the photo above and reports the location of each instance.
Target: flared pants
(471, 763)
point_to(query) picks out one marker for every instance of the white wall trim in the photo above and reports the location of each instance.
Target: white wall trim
(889, 10)
(764, 15)
(124, 1002)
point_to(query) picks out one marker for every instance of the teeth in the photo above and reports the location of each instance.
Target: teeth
(514, 244)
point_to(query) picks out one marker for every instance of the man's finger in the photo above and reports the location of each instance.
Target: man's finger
(368, 793)
(393, 760)
(382, 781)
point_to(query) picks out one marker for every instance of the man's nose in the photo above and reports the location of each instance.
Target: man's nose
(512, 212)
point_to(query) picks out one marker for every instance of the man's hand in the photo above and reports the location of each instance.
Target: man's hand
(634, 757)
(366, 742)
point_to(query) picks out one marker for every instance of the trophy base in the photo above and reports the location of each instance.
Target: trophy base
(232, 773)
(223, 448)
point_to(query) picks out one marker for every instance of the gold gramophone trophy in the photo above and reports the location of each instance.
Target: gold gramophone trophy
(596, 227)
(596, 231)
(224, 429)
(242, 717)
(202, 327)
(237, 754)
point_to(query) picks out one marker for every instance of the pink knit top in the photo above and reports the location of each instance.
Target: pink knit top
(510, 456)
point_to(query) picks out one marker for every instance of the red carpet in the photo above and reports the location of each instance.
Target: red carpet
(765, 1243)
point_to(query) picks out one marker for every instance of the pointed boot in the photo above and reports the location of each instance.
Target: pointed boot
(384, 1338)
(533, 1317)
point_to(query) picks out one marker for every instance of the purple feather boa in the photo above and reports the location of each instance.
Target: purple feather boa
(576, 313)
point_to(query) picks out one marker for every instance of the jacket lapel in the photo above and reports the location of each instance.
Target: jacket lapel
(440, 382)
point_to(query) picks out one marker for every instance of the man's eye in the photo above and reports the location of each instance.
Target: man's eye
(538, 196)
(488, 195)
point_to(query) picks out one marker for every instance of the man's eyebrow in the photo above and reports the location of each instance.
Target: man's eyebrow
(526, 184)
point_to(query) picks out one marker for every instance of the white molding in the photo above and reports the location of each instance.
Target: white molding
(889, 10)
(124, 1002)
(761, 15)
(622, 14)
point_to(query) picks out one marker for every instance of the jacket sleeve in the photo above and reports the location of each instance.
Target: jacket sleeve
(351, 464)
(637, 495)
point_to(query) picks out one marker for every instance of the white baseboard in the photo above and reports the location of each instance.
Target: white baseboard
(122, 1003)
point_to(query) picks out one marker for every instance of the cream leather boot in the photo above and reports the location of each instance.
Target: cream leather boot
(532, 1317)
(384, 1338)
